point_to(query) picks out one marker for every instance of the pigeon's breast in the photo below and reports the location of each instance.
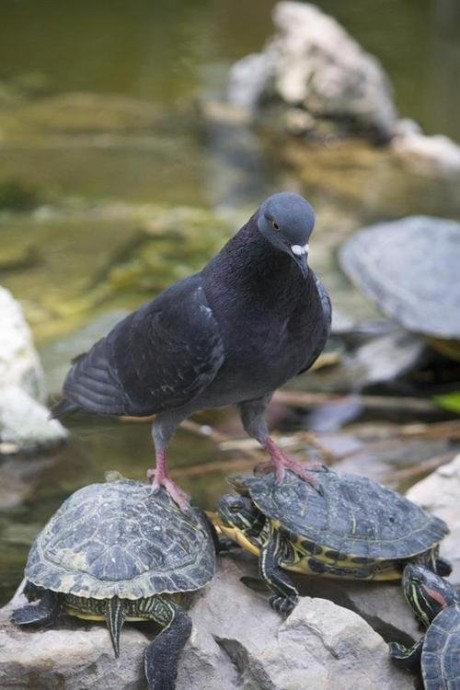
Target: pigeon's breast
(265, 345)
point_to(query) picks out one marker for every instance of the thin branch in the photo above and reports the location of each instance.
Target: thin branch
(300, 399)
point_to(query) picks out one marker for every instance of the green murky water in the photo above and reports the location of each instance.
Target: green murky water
(102, 141)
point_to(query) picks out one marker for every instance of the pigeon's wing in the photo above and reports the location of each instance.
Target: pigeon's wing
(326, 323)
(160, 357)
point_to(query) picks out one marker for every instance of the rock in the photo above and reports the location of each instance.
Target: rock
(313, 80)
(19, 362)
(380, 604)
(77, 659)
(237, 642)
(24, 423)
(320, 645)
(313, 63)
(430, 155)
(439, 493)
(248, 79)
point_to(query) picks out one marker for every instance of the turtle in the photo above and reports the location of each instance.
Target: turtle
(437, 605)
(349, 526)
(409, 268)
(118, 551)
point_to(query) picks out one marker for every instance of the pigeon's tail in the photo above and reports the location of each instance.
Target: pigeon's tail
(62, 408)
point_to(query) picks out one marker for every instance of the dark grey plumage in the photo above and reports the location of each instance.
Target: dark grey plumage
(255, 316)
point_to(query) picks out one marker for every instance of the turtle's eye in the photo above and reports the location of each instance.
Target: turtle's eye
(275, 225)
(236, 507)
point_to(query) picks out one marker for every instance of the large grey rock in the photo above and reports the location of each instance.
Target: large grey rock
(313, 63)
(237, 642)
(79, 659)
(381, 604)
(439, 493)
(321, 81)
(319, 646)
(24, 423)
(19, 362)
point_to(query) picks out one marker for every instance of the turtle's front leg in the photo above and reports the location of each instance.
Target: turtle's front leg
(285, 595)
(162, 655)
(45, 611)
(407, 657)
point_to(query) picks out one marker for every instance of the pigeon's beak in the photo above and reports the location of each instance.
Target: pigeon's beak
(300, 254)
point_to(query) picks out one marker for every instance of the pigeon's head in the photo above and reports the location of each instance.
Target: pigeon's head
(286, 220)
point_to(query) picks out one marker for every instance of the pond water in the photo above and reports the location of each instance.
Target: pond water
(168, 51)
(97, 169)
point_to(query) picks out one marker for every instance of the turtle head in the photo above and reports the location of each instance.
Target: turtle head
(240, 513)
(286, 220)
(426, 592)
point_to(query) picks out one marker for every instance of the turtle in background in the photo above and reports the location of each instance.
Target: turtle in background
(350, 527)
(409, 269)
(437, 606)
(119, 552)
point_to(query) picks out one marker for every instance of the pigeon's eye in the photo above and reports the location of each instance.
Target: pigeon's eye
(275, 226)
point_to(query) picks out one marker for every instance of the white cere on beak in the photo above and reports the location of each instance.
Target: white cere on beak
(298, 250)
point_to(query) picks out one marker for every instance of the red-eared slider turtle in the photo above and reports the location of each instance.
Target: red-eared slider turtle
(437, 605)
(118, 551)
(409, 268)
(351, 527)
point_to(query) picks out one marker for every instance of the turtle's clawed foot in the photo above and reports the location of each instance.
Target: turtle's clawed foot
(163, 479)
(283, 605)
(397, 650)
(443, 567)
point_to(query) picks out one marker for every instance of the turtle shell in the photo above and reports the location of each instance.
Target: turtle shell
(121, 539)
(409, 268)
(351, 514)
(440, 652)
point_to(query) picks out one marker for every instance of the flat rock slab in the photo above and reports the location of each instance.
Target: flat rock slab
(71, 655)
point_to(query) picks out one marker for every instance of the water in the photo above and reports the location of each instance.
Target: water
(165, 51)
(102, 170)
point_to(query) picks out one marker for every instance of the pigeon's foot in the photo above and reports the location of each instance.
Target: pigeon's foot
(280, 462)
(161, 478)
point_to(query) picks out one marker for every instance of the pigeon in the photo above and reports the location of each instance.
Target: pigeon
(255, 316)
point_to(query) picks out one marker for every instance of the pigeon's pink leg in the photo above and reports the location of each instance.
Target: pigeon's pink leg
(160, 477)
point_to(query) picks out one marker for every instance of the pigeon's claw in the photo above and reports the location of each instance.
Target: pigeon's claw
(163, 479)
(280, 462)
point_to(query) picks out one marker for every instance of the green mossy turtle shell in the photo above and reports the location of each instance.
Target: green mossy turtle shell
(353, 514)
(121, 539)
(409, 268)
